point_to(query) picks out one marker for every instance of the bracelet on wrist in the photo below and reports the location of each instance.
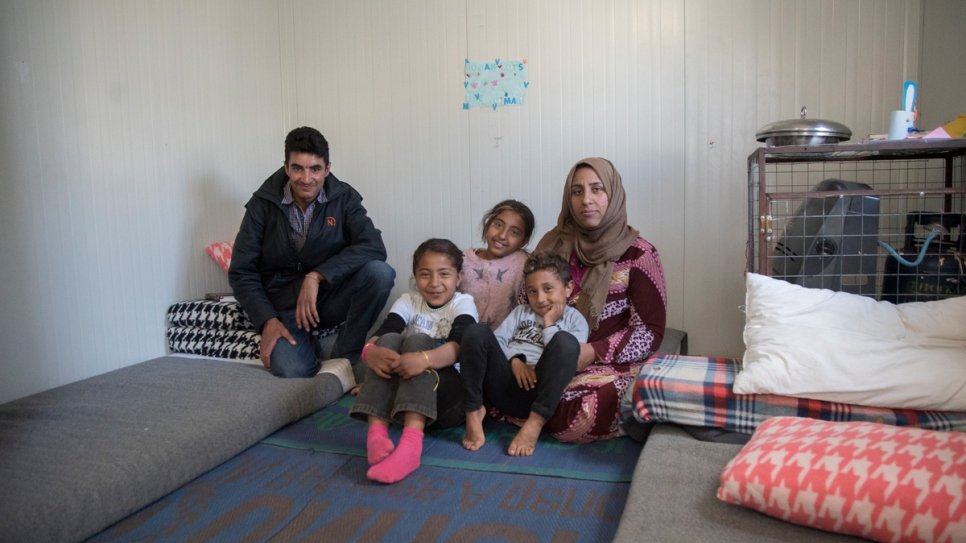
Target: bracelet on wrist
(365, 349)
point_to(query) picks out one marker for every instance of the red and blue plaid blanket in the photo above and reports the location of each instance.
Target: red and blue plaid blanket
(697, 391)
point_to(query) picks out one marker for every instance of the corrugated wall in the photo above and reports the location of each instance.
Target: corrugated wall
(134, 132)
(752, 62)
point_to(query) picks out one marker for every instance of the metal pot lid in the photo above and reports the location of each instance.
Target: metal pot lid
(805, 127)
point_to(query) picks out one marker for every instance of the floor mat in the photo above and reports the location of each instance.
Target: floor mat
(270, 493)
(331, 430)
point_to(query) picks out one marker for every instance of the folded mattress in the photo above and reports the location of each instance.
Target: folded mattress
(77, 458)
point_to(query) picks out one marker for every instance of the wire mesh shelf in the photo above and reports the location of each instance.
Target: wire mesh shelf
(884, 220)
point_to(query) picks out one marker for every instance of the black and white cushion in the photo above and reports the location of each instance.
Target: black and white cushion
(210, 314)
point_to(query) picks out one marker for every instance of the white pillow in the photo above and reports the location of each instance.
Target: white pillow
(846, 348)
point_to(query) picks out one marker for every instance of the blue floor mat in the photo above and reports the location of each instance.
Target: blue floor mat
(270, 493)
(331, 430)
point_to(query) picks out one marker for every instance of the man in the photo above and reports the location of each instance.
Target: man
(307, 257)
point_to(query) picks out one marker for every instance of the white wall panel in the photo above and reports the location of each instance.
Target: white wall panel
(134, 132)
(943, 71)
(382, 81)
(750, 62)
(604, 79)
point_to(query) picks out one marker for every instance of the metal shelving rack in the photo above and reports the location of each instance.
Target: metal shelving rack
(825, 237)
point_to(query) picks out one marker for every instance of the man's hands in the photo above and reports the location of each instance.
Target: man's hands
(306, 318)
(525, 375)
(271, 333)
(306, 312)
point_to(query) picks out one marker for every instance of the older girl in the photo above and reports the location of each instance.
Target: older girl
(494, 274)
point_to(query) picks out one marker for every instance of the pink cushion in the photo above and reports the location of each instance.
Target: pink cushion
(220, 252)
(876, 481)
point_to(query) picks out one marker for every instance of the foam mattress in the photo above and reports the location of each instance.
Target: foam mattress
(76, 459)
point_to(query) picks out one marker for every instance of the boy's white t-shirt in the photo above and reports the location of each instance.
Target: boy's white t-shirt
(434, 322)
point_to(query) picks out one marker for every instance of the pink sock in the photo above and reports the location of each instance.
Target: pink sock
(403, 461)
(378, 444)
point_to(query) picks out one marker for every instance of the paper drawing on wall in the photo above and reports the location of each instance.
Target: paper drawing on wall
(495, 83)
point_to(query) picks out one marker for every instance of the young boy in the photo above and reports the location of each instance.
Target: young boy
(524, 365)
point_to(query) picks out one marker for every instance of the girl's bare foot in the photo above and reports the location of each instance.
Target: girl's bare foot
(474, 438)
(525, 441)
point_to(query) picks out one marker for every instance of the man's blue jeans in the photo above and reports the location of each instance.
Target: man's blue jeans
(353, 307)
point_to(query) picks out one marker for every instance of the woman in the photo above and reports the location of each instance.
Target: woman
(620, 290)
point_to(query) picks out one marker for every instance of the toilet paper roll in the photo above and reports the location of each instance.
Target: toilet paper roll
(899, 124)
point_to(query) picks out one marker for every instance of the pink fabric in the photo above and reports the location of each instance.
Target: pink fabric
(220, 252)
(378, 444)
(493, 284)
(871, 480)
(401, 462)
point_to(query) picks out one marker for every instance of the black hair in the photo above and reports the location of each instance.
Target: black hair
(545, 260)
(306, 139)
(517, 207)
(441, 246)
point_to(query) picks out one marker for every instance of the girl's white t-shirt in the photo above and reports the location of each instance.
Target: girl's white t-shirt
(434, 322)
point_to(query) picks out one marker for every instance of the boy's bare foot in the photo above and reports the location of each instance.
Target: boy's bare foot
(525, 441)
(474, 438)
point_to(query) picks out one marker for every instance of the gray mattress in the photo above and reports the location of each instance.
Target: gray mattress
(672, 497)
(76, 459)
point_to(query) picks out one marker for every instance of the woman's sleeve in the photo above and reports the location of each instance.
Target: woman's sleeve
(647, 307)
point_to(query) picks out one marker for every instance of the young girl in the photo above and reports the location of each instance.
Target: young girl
(494, 274)
(524, 366)
(410, 378)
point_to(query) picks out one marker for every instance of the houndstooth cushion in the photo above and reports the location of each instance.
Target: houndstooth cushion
(219, 329)
(231, 344)
(208, 314)
(871, 480)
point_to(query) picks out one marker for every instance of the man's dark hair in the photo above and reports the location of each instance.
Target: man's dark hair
(552, 262)
(440, 246)
(306, 139)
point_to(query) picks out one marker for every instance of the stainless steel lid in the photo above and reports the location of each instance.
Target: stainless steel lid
(812, 131)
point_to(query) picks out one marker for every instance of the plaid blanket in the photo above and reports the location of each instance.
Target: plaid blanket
(697, 391)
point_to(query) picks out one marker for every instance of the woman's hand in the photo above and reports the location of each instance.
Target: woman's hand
(525, 375)
(587, 356)
(382, 361)
(412, 364)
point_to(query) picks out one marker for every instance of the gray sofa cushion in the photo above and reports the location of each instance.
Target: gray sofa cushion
(75, 459)
(672, 498)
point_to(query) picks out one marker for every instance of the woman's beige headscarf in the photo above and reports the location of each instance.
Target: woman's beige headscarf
(599, 248)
